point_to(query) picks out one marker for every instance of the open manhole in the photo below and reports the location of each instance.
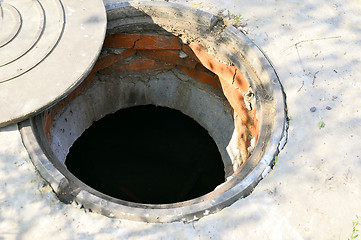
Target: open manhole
(147, 154)
(162, 67)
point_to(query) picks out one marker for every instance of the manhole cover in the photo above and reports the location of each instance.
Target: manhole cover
(208, 71)
(46, 49)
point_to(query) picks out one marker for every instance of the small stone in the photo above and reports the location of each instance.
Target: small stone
(328, 108)
(334, 98)
(225, 13)
(115, 50)
(313, 109)
(182, 54)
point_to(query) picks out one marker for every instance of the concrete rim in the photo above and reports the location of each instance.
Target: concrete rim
(273, 125)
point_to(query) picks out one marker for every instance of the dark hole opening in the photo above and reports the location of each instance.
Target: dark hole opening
(147, 154)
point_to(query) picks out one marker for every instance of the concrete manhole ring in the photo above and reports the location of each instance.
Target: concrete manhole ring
(207, 70)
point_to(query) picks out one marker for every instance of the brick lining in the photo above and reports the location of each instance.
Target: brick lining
(150, 52)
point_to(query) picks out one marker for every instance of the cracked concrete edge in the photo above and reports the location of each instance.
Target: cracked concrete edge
(266, 70)
(161, 10)
(259, 67)
(41, 162)
(264, 64)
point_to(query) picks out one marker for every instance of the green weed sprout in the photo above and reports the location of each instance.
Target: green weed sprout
(238, 18)
(354, 230)
(321, 124)
(275, 160)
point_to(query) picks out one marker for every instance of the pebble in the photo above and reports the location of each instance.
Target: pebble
(182, 54)
(313, 109)
(328, 108)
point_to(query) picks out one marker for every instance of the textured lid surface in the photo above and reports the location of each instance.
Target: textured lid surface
(47, 47)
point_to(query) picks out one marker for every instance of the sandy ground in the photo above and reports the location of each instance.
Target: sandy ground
(314, 190)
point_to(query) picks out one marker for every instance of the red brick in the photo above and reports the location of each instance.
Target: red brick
(140, 41)
(240, 81)
(222, 70)
(136, 64)
(202, 75)
(121, 40)
(190, 53)
(169, 56)
(230, 78)
(230, 74)
(235, 98)
(110, 59)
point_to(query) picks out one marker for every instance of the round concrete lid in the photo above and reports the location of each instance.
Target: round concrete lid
(47, 47)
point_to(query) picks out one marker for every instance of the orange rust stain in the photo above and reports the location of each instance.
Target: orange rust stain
(47, 123)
